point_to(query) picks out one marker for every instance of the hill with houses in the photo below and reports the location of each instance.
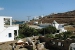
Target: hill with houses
(66, 17)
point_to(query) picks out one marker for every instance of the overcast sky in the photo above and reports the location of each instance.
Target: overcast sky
(20, 9)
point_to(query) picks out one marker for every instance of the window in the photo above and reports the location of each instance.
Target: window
(15, 32)
(59, 43)
(62, 45)
(62, 25)
(10, 35)
(53, 42)
(58, 31)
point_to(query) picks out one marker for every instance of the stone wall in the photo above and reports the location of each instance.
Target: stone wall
(56, 44)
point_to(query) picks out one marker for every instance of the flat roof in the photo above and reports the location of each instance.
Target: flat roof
(5, 17)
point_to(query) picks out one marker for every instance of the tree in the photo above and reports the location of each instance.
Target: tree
(59, 36)
(48, 30)
(67, 34)
(49, 35)
(26, 31)
(63, 35)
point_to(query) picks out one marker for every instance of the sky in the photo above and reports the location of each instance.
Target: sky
(21, 9)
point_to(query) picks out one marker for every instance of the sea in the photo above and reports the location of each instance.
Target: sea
(21, 22)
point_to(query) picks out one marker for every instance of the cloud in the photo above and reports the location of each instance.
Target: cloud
(1, 8)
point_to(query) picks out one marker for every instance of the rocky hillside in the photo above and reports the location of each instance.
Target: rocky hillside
(66, 17)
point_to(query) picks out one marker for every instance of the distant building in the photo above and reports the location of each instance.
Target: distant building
(7, 30)
(36, 18)
(44, 24)
(35, 22)
(59, 27)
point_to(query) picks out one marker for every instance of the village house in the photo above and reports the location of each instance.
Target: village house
(8, 31)
(59, 27)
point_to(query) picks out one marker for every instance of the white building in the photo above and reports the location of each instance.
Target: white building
(35, 22)
(36, 18)
(7, 31)
(72, 46)
(59, 27)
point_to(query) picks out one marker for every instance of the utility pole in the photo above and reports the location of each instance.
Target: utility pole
(28, 18)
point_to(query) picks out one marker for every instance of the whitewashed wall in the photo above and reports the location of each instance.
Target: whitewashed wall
(4, 36)
(4, 31)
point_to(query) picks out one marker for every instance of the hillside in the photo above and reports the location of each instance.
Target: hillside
(66, 17)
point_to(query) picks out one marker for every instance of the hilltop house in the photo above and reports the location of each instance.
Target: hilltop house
(7, 30)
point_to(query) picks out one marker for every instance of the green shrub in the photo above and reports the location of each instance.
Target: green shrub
(49, 35)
